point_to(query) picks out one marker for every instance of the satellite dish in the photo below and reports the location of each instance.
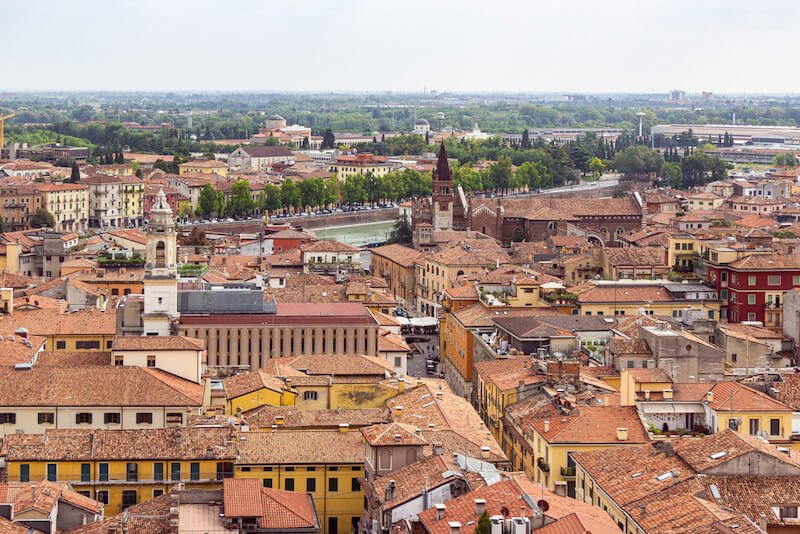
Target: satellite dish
(543, 505)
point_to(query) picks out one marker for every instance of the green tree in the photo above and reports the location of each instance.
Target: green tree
(596, 166)
(354, 189)
(530, 174)
(484, 525)
(43, 219)
(209, 202)
(468, 178)
(270, 198)
(197, 238)
(328, 139)
(501, 173)
(786, 159)
(291, 196)
(638, 160)
(241, 200)
(401, 232)
(75, 175)
(673, 174)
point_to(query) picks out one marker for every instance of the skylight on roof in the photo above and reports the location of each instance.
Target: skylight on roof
(637, 474)
(715, 491)
(718, 455)
(664, 476)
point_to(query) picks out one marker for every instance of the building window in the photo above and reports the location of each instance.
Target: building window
(751, 316)
(310, 395)
(52, 472)
(194, 471)
(788, 512)
(630, 363)
(774, 280)
(131, 472)
(86, 472)
(754, 427)
(775, 427)
(175, 417)
(311, 485)
(175, 471)
(267, 482)
(83, 418)
(751, 299)
(333, 484)
(158, 493)
(128, 498)
(723, 294)
(119, 360)
(796, 280)
(288, 484)
(158, 471)
(333, 525)
(224, 470)
(103, 473)
(102, 496)
(111, 418)
(354, 485)
(751, 280)
(151, 360)
(144, 418)
(61, 345)
(733, 357)
(8, 418)
(87, 345)
(24, 473)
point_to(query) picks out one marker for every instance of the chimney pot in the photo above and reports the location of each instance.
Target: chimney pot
(441, 509)
(710, 396)
(480, 506)
(547, 426)
(455, 527)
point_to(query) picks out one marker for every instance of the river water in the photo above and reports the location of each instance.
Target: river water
(357, 235)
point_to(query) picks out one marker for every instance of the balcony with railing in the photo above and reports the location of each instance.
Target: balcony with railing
(568, 472)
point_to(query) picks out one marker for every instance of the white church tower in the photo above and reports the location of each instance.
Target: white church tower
(160, 271)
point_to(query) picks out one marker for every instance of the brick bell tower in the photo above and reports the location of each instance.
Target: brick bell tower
(443, 195)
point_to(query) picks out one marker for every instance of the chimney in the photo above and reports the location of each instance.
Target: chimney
(643, 509)
(439, 395)
(390, 491)
(440, 511)
(669, 452)
(455, 527)
(546, 427)
(344, 427)
(710, 396)
(437, 448)
(647, 394)
(484, 452)
(622, 434)
(762, 522)
(480, 506)
(178, 436)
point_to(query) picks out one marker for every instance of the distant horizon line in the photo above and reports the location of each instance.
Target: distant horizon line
(386, 92)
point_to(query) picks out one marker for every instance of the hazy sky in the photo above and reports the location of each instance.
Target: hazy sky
(364, 45)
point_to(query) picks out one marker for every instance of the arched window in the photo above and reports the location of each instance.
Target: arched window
(619, 232)
(483, 229)
(161, 254)
(460, 273)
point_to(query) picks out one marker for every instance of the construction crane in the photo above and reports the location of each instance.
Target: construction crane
(2, 128)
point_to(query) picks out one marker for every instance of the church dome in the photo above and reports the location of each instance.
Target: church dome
(422, 122)
(275, 117)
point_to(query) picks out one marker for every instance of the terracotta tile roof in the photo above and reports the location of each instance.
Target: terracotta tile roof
(467, 292)
(399, 254)
(649, 375)
(179, 443)
(44, 495)
(788, 390)
(767, 262)
(698, 452)
(74, 359)
(480, 316)
(578, 523)
(676, 510)
(437, 411)
(621, 345)
(332, 364)
(242, 497)
(7, 527)
(392, 434)
(328, 245)
(16, 281)
(290, 447)
(244, 383)
(625, 294)
(150, 343)
(635, 256)
(103, 386)
(287, 510)
(458, 256)
(148, 517)
(755, 495)
(391, 342)
(49, 322)
(593, 424)
(412, 480)
(744, 399)
(508, 494)
(293, 417)
(563, 208)
(627, 474)
(507, 373)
